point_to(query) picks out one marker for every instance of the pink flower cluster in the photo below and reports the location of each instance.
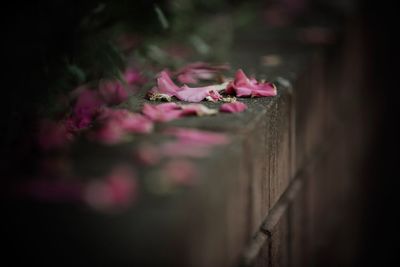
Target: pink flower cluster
(241, 86)
(88, 105)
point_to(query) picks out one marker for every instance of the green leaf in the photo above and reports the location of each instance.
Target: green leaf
(77, 72)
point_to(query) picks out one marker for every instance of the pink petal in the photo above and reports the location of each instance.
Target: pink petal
(133, 76)
(165, 85)
(86, 106)
(162, 112)
(233, 107)
(113, 92)
(134, 123)
(53, 135)
(214, 96)
(147, 154)
(199, 136)
(110, 132)
(194, 72)
(114, 124)
(187, 78)
(181, 172)
(117, 190)
(122, 184)
(197, 94)
(197, 110)
(243, 86)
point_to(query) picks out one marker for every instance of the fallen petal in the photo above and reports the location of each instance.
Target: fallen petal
(133, 77)
(198, 136)
(162, 112)
(197, 110)
(233, 107)
(242, 86)
(181, 172)
(112, 92)
(197, 94)
(114, 124)
(117, 190)
(53, 135)
(147, 155)
(165, 85)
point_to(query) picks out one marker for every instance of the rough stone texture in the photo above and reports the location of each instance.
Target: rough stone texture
(279, 147)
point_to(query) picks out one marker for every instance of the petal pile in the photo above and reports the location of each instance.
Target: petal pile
(166, 87)
(233, 107)
(114, 124)
(171, 111)
(242, 86)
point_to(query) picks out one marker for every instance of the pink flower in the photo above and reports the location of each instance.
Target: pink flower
(162, 112)
(53, 135)
(197, 94)
(181, 172)
(198, 136)
(233, 107)
(171, 111)
(118, 190)
(197, 110)
(133, 77)
(114, 124)
(112, 92)
(86, 106)
(147, 154)
(244, 86)
(214, 96)
(194, 72)
(165, 85)
(131, 122)
(110, 132)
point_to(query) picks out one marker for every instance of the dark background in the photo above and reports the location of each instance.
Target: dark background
(34, 35)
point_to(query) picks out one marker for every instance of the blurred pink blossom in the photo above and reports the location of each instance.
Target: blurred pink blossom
(133, 77)
(112, 92)
(194, 72)
(165, 85)
(86, 107)
(147, 154)
(243, 86)
(198, 136)
(197, 94)
(53, 135)
(114, 124)
(162, 112)
(233, 107)
(197, 110)
(181, 172)
(119, 189)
